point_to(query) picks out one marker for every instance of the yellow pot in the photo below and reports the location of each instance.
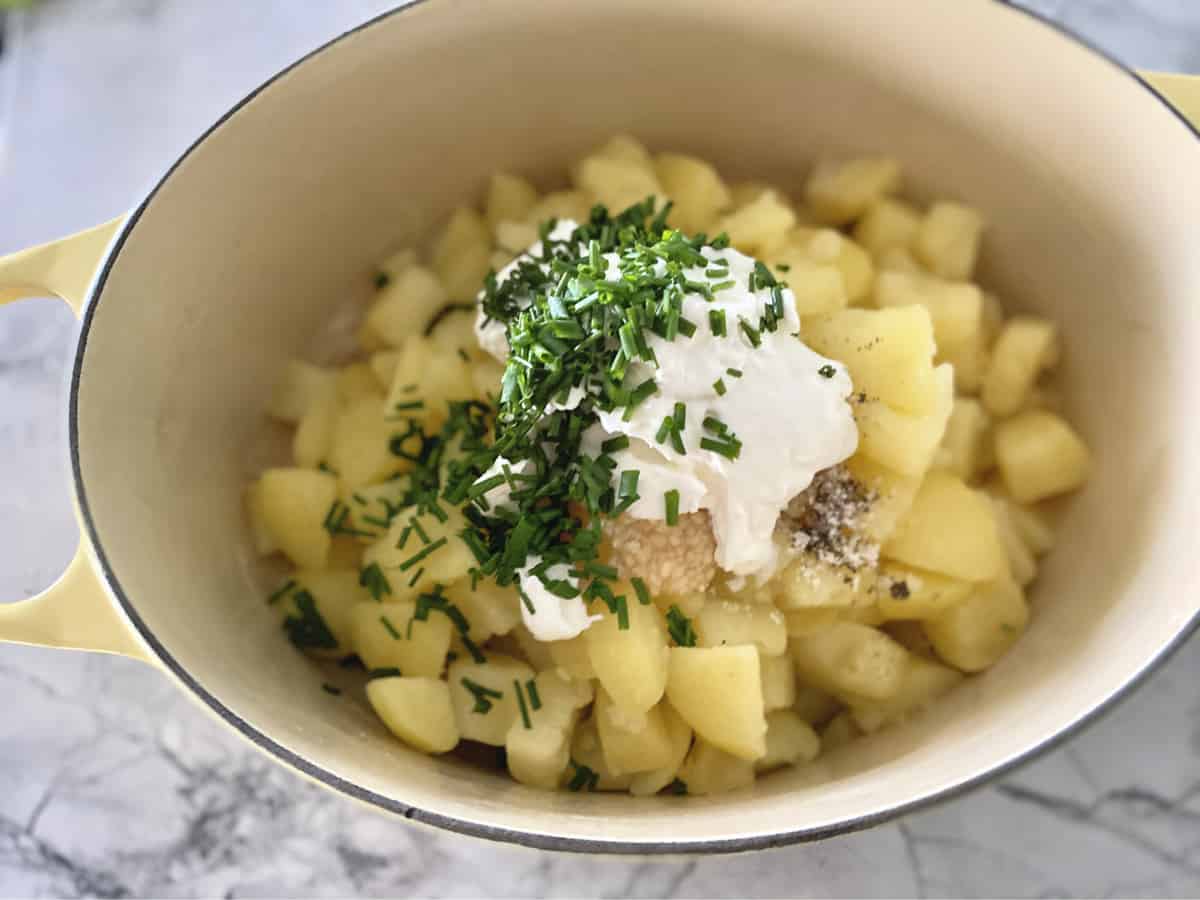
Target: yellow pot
(192, 303)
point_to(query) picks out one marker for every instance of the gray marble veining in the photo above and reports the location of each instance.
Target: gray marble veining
(113, 783)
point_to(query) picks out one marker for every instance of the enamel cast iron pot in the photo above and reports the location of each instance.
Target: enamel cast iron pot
(192, 303)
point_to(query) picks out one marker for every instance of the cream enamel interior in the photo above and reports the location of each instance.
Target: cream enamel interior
(1092, 189)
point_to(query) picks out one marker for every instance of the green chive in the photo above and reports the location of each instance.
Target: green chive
(531, 689)
(643, 593)
(416, 558)
(521, 705)
(719, 387)
(716, 322)
(671, 503)
(391, 629)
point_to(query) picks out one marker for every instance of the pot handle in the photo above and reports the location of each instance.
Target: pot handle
(1181, 91)
(75, 612)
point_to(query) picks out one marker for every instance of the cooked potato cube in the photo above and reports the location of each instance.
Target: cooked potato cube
(1040, 456)
(815, 706)
(626, 148)
(850, 659)
(725, 623)
(803, 622)
(587, 769)
(490, 609)
(948, 240)
(360, 451)
(313, 437)
(643, 784)
(354, 381)
(631, 663)
(405, 305)
(808, 583)
(617, 183)
(404, 555)
(840, 731)
(924, 681)
(902, 442)
(759, 225)
(966, 449)
(264, 541)
(838, 192)
(454, 334)
(559, 699)
(708, 769)
(535, 652)
(889, 224)
(696, 189)
(416, 710)
(514, 238)
(819, 288)
(485, 696)
(897, 259)
(718, 691)
(632, 742)
(1022, 566)
(538, 755)
(572, 657)
(1025, 347)
(790, 740)
(778, 681)
(294, 504)
(388, 635)
(892, 495)
(950, 529)
(858, 272)
(974, 634)
(907, 593)
(573, 205)
(383, 365)
(316, 610)
(1033, 527)
(301, 386)
(461, 254)
(509, 199)
(889, 353)
(426, 378)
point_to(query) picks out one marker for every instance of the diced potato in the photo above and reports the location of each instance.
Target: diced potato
(892, 495)
(993, 316)
(559, 698)
(743, 193)
(426, 378)
(354, 381)
(759, 225)
(819, 288)
(949, 529)
(1033, 527)
(632, 742)
(808, 583)
(909, 634)
(840, 731)
(803, 622)
(643, 784)
(313, 437)
(778, 681)
(509, 199)
(907, 593)
(897, 259)
(490, 609)
(790, 741)
(815, 706)
(572, 657)
(889, 224)
(454, 334)
(294, 504)
(850, 659)
(974, 634)
(462, 254)
(372, 508)
(924, 681)
(632, 663)
(405, 306)
(444, 560)
(573, 205)
(838, 192)
(514, 238)
(316, 611)
(1022, 566)
(260, 534)
(302, 384)
(902, 442)
(588, 768)
(416, 710)
(617, 183)
(387, 635)
(696, 189)
(1026, 347)
(1040, 455)
(538, 755)
(626, 148)
(708, 769)
(360, 451)
(956, 310)
(966, 449)
(833, 248)
(889, 353)
(718, 691)
(948, 240)
(724, 623)
(383, 365)
(536, 652)
(485, 696)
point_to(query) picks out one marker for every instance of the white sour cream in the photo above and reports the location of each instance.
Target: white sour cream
(553, 618)
(792, 420)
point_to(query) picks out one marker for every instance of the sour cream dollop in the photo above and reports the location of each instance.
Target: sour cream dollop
(786, 404)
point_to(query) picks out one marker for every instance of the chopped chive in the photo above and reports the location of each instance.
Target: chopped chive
(416, 576)
(730, 449)
(483, 695)
(716, 322)
(622, 614)
(613, 444)
(385, 672)
(531, 689)
(282, 591)
(521, 705)
(643, 593)
(671, 504)
(719, 387)
(734, 373)
(680, 627)
(677, 787)
(376, 583)
(331, 689)
(417, 557)
(391, 629)
(419, 530)
(752, 334)
(382, 279)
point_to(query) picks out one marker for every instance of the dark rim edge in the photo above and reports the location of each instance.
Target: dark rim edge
(496, 833)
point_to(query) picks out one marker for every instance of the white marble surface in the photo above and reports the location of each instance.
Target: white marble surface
(112, 783)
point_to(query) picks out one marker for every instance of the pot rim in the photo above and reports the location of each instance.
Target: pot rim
(529, 838)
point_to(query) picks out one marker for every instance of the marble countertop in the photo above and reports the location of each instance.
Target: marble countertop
(112, 783)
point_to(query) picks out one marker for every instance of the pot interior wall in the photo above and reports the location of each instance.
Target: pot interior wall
(277, 217)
